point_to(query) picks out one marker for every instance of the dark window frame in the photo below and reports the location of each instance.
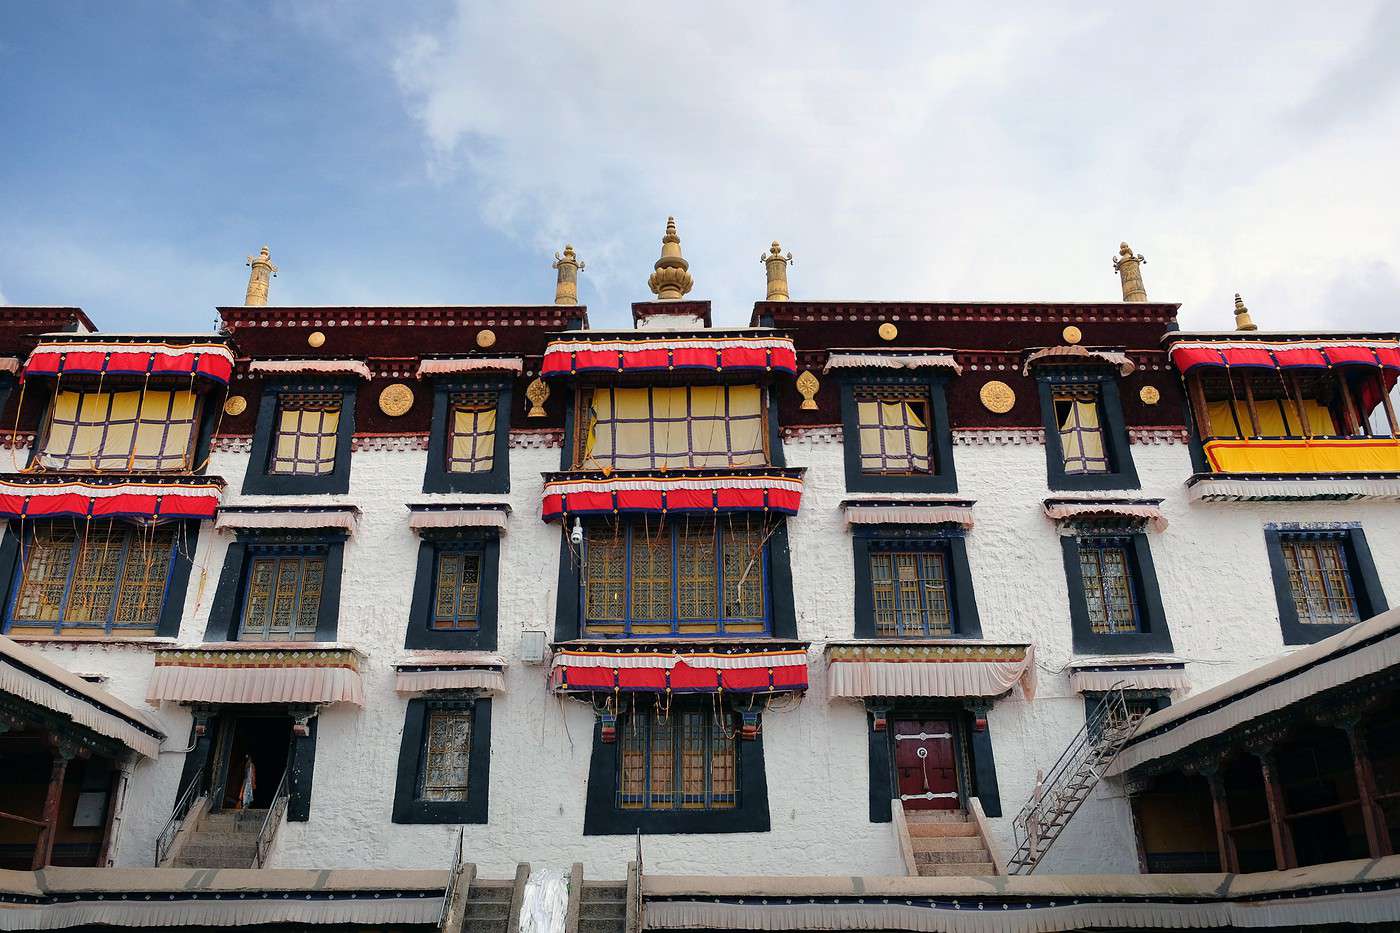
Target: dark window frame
(408, 807)
(259, 480)
(1153, 634)
(1157, 699)
(1122, 473)
(944, 477)
(421, 634)
(226, 612)
(965, 620)
(1366, 584)
(626, 722)
(436, 477)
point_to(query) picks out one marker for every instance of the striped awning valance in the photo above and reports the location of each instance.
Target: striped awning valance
(115, 356)
(773, 489)
(1074, 353)
(1294, 354)
(450, 670)
(721, 353)
(257, 672)
(1096, 675)
(326, 367)
(729, 668)
(471, 364)
(949, 668)
(37, 496)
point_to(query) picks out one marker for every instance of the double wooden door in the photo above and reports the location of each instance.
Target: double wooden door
(925, 762)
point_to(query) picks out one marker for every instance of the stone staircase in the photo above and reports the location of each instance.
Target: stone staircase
(226, 839)
(488, 906)
(947, 842)
(603, 907)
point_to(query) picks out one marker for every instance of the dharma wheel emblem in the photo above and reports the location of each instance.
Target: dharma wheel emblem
(997, 397)
(537, 392)
(808, 385)
(235, 405)
(1149, 395)
(396, 400)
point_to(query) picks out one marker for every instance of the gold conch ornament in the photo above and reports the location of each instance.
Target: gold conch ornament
(537, 392)
(808, 385)
(396, 400)
(997, 397)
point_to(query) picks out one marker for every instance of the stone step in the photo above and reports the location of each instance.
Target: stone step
(488, 910)
(206, 837)
(601, 925)
(957, 869)
(220, 860)
(924, 830)
(587, 908)
(233, 820)
(610, 890)
(935, 816)
(946, 858)
(947, 843)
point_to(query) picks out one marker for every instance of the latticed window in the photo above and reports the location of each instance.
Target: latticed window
(304, 441)
(447, 749)
(283, 596)
(685, 577)
(457, 589)
(895, 437)
(674, 427)
(139, 430)
(103, 576)
(1320, 581)
(683, 757)
(471, 440)
(1106, 569)
(911, 594)
(1079, 416)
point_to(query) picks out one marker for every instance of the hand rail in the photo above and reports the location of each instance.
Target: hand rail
(177, 818)
(273, 818)
(899, 820)
(451, 882)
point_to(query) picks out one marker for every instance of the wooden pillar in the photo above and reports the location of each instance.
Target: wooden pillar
(1377, 837)
(58, 769)
(1349, 411)
(1284, 856)
(1389, 406)
(116, 801)
(1198, 405)
(1229, 858)
(1254, 428)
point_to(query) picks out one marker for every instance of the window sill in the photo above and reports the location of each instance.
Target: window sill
(134, 641)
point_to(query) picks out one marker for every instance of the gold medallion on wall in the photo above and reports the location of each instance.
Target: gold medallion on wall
(997, 397)
(396, 399)
(888, 331)
(485, 337)
(1072, 334)
(235, 405)
(1150, 395)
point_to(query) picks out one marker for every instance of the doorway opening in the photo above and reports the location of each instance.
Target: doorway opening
(926, 750)
(265, 742)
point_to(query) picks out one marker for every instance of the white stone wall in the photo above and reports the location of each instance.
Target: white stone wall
(1211, 564)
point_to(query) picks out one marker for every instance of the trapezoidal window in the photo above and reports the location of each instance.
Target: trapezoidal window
(676, 577)
(1079, 417)
(105, 577)
(471, 431)
(305, 433)
(447, 747)
(894, 427)
(282, 594)
(1320, 580)
(135, 430)
(911, 594)
(456, 589)
(673, 427)
(681, 755)
(1109, 592)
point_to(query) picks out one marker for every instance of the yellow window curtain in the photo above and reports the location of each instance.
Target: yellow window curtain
(1277, 418)
(894, 434)
(674, 427)
(473, 434)
(148, 431)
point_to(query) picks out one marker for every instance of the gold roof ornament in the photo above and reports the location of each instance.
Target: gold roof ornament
(809, 385)
(671, 280)
(259, 278)
(775, 264)
(1129, 268)
(566, 285)
(1242, 319)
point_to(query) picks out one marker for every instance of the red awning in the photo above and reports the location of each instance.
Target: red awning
(763, 353)
(1312, 354)
(131, 358)
(678, 669)
(81, 499)
(634, 492)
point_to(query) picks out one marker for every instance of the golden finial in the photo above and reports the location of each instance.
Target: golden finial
(259, 278)
(1242, 318)
(775, 263)
(671, 280)
(1129, 269)
(566, 286)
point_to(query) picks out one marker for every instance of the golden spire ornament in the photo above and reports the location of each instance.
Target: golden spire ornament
(259, 278)
(566, 286)
(1129, 268)
(671, 280)
(1242, 319)
(775, 265)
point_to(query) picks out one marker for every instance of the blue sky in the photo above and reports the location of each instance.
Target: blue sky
(440, 152)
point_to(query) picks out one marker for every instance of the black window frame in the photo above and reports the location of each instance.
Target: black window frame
(1366, 584)
(421, 634)
(1122, 473)
(408, 807)
(1157, 699)
(944, 478)
(1153, 635)
(436, 477)
(226, 612)
(260, 480)
(962, 597)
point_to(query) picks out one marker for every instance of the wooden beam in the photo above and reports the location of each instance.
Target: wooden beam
(43, 850)
(1198, 404)
(1295, 395)
(1249, 403)
(1377, 836)
(1348, 404)
(1284, 856)
(1229, 858)
(1389, 406)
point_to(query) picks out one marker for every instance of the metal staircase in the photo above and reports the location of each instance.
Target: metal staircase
(1058, 797)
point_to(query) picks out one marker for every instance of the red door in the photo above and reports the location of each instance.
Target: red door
(924, 764)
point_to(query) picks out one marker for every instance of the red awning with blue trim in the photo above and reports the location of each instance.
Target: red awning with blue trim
(773, 489)
(42, 497)
(1310, 354)
(580, 667)
(116, 357)
(764, 352)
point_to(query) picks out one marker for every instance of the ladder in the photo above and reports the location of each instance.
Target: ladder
(1058, 797)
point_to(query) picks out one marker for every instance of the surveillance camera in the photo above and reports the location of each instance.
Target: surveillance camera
(576, 536)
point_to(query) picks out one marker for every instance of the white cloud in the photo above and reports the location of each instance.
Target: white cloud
(931, 152)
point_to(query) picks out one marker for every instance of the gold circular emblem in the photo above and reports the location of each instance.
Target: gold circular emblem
(315, 339)
(888, 331)
(235, 405)
(997, 397)
(1072, 334)
(486, 337)
(1149, 395)
(396, 399)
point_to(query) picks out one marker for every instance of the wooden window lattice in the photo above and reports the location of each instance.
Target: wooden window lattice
(283, 599)
(446, 755)
(457, 600)
(1320, 582)
(910, 593)
(682, 758)
(1108, 587)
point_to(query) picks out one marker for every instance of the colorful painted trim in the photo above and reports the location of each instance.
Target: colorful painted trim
(925, 651)
(261, 656)
(48, 498)
(257, 673)
(1312, 354)
(657, 669)
(120, 358)
(655, 492)
(567, 357)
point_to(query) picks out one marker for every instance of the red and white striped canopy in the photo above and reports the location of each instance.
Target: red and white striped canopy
(1301, 354)
(80, 499)
(761, 353)
(131, 358)
(776, 490)
(702, 669)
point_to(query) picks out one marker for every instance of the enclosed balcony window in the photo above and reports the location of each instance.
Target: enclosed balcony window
(677, 756)
(673, 427)
(471, 446)
(134, 431)
(676, 577)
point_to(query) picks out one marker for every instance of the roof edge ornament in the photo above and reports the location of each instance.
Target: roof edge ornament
(672, 279)
(1242, 319)
(259, 278)
(566, 284)
(775, 265)
(1128, 265)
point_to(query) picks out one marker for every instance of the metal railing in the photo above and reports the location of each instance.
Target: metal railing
(1057, 797)
(451, 882)
(273, 818)
(183, 804)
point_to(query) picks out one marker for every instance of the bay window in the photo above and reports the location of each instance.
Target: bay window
(127, 430)
(673, 427)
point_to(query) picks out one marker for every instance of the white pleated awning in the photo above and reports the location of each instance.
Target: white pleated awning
(1148, 511)
(1075, 353)
(257, 672)
(908, 512)
(474, 515)
(887, 359)
(28, 675)
(327, 367)
(1280, 489)
(1096, 675)
(343, 517)
(952, 668)
(471, 364)
(9, 364)
(450, 670)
